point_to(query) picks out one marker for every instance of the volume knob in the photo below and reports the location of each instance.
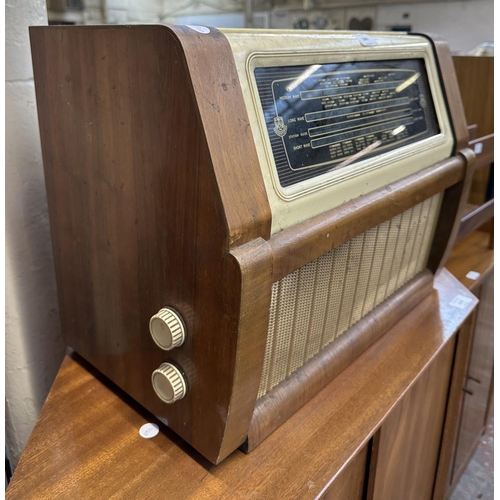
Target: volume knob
(167, 329)
(168, 383)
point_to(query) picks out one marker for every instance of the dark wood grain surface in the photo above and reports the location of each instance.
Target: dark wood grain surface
(143, 218)
(215, 86)
(448, 224)
(86, 444)
(453, 97)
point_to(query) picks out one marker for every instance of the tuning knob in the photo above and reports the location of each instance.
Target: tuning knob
(167, 329)
(168, 383)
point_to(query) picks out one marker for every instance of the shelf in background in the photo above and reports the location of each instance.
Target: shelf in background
(473, 253)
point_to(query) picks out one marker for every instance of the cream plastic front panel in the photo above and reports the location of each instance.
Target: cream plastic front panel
(305, 199)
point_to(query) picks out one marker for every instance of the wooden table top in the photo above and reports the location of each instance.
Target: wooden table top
(86, 443)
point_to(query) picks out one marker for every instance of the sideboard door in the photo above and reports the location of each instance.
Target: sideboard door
(477, 387)
(406, 447)
(350, 483)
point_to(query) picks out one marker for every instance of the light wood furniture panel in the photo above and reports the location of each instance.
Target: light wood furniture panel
(350, 483)
(471, 389)
(475, 80)
(450, 428)
(478, 385)
(408, 443)
(86, 443)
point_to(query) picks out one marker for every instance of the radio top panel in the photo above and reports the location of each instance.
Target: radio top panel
(337, 115)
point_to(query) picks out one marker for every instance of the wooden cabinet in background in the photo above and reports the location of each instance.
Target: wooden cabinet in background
(475, 79)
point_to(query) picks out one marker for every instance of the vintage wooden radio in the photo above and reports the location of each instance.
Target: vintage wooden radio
(237, 215)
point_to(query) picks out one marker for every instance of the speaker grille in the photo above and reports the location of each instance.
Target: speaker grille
(317, 303)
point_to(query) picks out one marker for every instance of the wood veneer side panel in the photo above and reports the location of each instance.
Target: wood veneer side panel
(138, 217)
(448, 224)
(456, 196)
(223, 113)
(80, 186)
(253, 263)
(291, 394)
(304, 242)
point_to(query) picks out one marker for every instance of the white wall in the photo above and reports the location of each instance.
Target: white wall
(33, 345)
(463, 24)
(232, 20)
(215, 12)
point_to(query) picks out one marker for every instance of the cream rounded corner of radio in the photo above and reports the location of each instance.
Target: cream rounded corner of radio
(167, 329)
(169, 383)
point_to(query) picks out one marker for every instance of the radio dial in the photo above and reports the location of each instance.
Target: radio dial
(168, 383)
(167, 329)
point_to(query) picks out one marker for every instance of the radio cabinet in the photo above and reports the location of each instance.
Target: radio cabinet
(232, 193)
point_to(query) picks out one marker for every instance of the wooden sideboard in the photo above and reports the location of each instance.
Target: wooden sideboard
(374, 432)
(471, 391)
(471, 261)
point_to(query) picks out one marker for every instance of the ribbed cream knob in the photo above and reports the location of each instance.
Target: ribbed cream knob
(168, 383)
(167, 329)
